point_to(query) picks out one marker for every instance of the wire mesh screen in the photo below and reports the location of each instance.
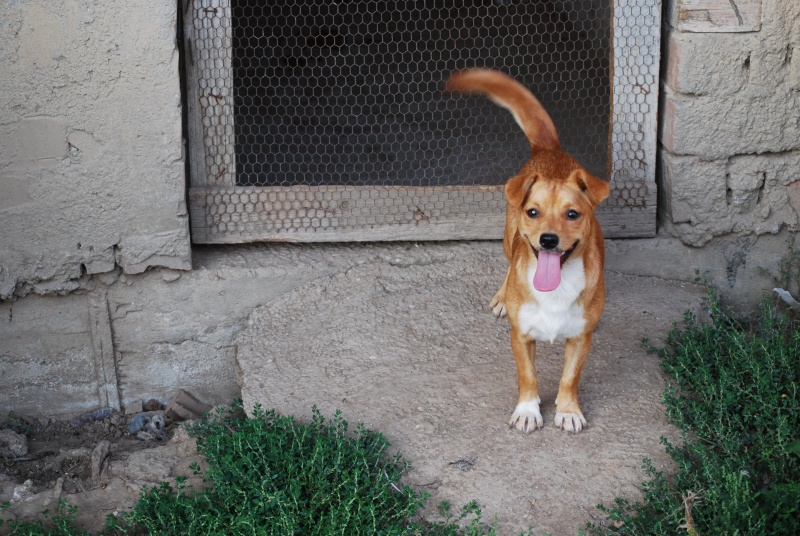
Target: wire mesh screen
(350, 93)
(326, 121)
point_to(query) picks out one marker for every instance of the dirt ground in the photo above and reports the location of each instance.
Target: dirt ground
(65, 462)
(405, 344)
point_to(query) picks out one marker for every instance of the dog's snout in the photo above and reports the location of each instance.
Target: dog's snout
(548, 241)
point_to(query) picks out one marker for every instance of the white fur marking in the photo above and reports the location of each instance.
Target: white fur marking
(508, 107)
(555, 315)
(526, 416)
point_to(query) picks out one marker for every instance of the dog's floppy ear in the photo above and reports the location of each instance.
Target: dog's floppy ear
(595, 189)
(517, 189)
(514, 97)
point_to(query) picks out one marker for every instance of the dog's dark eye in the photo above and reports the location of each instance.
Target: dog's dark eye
(532, 213)
(573, 214)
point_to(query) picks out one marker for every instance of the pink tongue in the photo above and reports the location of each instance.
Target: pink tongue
(548, 271)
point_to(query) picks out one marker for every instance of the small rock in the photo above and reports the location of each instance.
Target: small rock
(96, 415)
(153, 405)
(6, 492)
(23, 491)
(13, 442)
(155, 435)
(157, 422)
(185, 407)
(109, 278)
(149, 426)
(99, 455)
(59, 488)
(134, 407)
(116, 419)
(170, 275)
(137, 423)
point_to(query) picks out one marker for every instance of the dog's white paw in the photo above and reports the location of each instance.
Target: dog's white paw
(498, 309)
(527, 417)
(571, 422)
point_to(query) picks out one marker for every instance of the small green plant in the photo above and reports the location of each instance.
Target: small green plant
(787, 285)
(269, 474)
(60, 523)
(469, 522)
(15, 423)
(788, 276)
(735, 393)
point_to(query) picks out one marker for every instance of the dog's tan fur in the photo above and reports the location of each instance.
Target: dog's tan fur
(554, 187)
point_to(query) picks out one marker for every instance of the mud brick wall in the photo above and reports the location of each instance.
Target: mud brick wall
(730, 128)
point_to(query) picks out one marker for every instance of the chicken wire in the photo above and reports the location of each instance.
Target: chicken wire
(351, 92)
(330, 115)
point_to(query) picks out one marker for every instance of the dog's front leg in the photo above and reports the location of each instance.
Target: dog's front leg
(526, 416)
(498, 304)
(568, 411)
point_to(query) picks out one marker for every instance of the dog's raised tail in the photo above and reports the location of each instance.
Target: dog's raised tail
(529, 114)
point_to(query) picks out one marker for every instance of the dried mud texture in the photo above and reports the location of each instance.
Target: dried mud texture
(60, 465)
(408, 347)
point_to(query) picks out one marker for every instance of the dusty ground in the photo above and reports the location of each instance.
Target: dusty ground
(406, 345)
(404, 342)
(59, 465)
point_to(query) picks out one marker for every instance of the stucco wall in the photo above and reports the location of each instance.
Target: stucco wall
(730, 129)
(91, 164)
(92, 193)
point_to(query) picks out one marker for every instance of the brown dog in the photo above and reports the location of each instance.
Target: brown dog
(554, 285)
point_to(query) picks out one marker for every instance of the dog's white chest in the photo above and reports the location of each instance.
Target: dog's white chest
(555, 315)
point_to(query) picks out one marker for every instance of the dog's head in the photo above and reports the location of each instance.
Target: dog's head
(555, 211)
(552, 197)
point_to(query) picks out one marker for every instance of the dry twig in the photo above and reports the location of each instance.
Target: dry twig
(689, 500)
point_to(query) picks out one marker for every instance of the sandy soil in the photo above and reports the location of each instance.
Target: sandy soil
(405, 344)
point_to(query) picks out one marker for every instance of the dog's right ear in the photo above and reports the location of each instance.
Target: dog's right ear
(528, 112)
(518, 188)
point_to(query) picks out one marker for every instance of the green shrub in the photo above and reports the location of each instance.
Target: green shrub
(271, 475)
(734, 393)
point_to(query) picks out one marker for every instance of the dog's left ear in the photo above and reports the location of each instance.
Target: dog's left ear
(595, 189)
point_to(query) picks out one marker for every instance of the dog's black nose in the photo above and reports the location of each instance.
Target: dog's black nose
(548, 241)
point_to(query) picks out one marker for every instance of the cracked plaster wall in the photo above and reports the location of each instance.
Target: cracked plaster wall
(730, 133)
(164, 329)
(91, 163)
(92, 193)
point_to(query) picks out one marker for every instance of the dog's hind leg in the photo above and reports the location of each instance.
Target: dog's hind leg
(498, 303)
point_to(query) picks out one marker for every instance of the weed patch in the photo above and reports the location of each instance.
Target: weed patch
(734, 393)
(58, 523)
(269, 474)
